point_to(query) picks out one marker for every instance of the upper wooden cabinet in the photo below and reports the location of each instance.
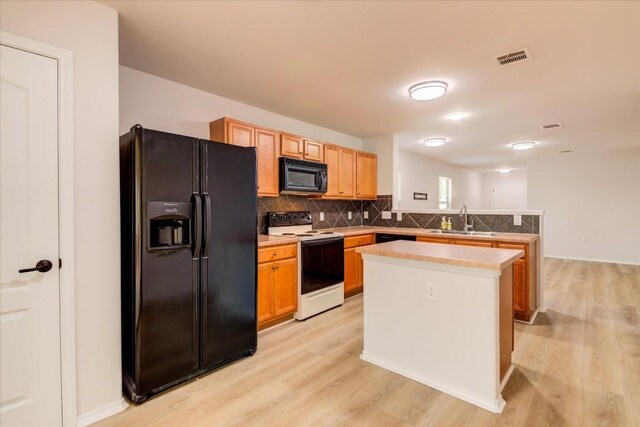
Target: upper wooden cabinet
(300, 148)
(246, 135)
(291, 146)
(267, 145)
(366, 175)
(351, 174)
(313, 151)
(341, 172)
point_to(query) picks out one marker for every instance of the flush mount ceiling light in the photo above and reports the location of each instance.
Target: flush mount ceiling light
(523, 145)
(504, 170)
(427, 90)
(457, 116)
(434, 142)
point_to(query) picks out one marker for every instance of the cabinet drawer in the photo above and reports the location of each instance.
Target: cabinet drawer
(429, 239)
(354, 241)
(517, 246)
(274, 253)
(479, 243)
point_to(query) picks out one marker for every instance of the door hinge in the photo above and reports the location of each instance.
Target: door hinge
(59, 262)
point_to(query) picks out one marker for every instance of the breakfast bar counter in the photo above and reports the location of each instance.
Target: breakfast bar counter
(441, 315)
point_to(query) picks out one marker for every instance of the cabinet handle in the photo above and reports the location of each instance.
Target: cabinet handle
(274, 254)
(359, 241)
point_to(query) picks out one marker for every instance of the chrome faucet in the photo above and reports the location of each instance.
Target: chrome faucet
(463, 212)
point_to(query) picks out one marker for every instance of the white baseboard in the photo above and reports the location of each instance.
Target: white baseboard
(506, 377)
(106, 411)
(608, 261)
(492, 405)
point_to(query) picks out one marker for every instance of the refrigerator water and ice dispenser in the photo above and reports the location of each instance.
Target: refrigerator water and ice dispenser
(169, 225)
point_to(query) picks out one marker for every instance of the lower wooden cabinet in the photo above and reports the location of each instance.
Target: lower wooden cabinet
(525, 280)
(353, 265)
(277, 285)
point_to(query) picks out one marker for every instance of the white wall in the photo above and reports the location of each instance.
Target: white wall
(491, 177)
(384, 147)
(593, 195)
(161, 104)
(90, 31)
(420, 174)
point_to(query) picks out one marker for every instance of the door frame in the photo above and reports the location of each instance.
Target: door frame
(66, 228)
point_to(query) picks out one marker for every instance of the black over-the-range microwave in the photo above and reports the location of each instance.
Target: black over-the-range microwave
(302, 177)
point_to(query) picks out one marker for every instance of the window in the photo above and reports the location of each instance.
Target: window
(444, 192)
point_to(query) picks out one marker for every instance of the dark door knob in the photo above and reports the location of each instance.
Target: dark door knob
(42, 266)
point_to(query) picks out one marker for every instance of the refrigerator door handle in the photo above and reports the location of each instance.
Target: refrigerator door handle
(207, 224)
(197, 219)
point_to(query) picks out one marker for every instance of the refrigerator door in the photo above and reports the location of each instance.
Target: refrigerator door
(161, 297)
(229, 253)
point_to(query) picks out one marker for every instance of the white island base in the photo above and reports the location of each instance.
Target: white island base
(447, 326)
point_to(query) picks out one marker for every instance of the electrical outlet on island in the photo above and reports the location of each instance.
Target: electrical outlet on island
(431, 292)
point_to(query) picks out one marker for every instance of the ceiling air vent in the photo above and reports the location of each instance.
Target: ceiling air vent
(516, 56)
(551, 126)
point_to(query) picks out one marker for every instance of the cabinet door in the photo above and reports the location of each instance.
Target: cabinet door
(240, 134)
(332, 159)
(291, 146)
(347, 173)
(366, 175)
(478, 243)
(313, 151)
(285, 287)
(265, 311)
(351, 273)
(360, 270)
(520, 286)
(267, 145)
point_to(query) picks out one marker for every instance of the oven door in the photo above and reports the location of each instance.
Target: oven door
(302, 177)
(322, 264)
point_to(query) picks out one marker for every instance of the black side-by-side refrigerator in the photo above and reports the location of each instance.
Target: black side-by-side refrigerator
(189, 257)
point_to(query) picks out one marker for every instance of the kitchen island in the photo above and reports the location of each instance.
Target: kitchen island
(441, 315)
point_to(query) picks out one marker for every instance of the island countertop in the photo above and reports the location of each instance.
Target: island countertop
(463, 256)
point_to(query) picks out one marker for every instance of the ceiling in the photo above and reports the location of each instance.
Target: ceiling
(347, 66)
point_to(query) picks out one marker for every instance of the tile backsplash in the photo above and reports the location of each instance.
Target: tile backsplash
(336, 214)
(500, 223)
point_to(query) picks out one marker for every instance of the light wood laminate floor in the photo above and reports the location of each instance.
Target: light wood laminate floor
(578, 365)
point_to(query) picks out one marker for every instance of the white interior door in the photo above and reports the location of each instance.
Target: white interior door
(30, 301)
(509, 195)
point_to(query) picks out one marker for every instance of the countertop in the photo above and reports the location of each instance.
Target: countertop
(462, 256)
(505, 237)
(264, 240)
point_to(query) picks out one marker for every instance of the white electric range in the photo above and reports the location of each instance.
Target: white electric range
(320, 261)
